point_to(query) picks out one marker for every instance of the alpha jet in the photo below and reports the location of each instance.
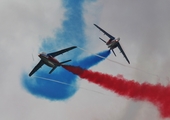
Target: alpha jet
(112, 43)
(49, 60)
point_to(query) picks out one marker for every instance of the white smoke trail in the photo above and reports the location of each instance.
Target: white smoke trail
(56, 81)
(128, 66)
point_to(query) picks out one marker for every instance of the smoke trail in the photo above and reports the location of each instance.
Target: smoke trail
(72, 31)
(156, 94)
(59, 91)
(92, 60)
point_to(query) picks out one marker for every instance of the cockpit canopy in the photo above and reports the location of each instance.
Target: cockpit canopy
(118, 38)
(44, 54)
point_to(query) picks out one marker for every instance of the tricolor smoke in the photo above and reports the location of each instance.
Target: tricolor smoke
(57, 91)
(72, 31)
(157, 94)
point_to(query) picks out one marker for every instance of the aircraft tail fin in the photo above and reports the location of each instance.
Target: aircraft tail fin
(102, 40)
(113, 52)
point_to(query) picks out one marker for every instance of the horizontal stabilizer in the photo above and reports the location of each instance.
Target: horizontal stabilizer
(102, 40)
(58, 65)
(113, 52)
(65, 62)
(52, 69)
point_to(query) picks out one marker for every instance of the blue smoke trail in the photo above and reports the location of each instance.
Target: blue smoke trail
(92, 60)
(73, 32)
(57, 91)
(72, 29)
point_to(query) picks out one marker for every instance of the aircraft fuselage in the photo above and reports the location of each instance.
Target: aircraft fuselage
(113, 43)
(49, 61)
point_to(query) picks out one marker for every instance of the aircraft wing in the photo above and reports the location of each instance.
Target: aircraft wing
(121, 50)
(110, 36)
(61, 51)
(36, 67)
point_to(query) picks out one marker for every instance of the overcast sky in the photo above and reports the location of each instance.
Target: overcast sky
(30, 27)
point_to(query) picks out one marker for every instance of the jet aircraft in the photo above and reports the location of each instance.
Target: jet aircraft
(50, 61)
(112, 43)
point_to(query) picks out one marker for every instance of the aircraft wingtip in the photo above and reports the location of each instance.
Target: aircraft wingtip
(74, 47)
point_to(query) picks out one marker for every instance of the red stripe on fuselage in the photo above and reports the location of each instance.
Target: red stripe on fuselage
(53, 60)
(108, 42)
(49, 60)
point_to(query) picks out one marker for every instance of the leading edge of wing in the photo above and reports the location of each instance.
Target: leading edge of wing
(106, 33)
(36, 67)
(122, 51)
(61, 51)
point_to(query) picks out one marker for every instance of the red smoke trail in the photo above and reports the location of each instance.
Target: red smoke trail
(157, 94)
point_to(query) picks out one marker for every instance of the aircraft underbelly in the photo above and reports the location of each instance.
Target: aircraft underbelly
(112, 45)
(48, 62)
